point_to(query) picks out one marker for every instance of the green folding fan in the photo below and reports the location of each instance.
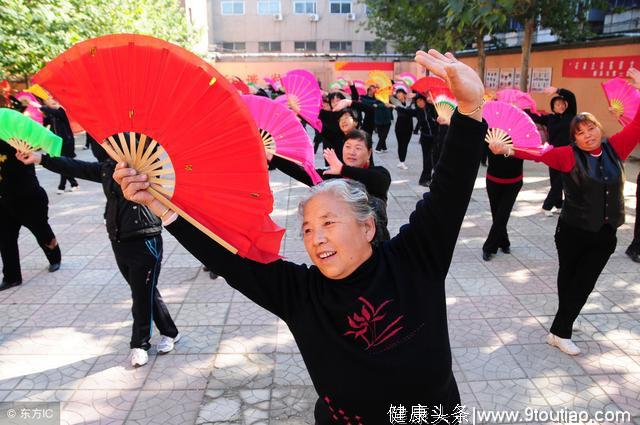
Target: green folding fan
(26, 135)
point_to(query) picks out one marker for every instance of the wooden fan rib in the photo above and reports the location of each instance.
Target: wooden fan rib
(160, 172)
(288, 158)
(166, 192)
(163, 182)
(125, 148)
(155, 165)
(141, 149)
(117, 150)
(148, 151)
(167, 203)
(133, 148)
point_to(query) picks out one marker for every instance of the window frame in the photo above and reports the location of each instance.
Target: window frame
(232, 3)
(268, 2)
(341, 3)
(305, 3)
(341, 50)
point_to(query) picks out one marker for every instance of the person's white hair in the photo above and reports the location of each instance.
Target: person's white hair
(351, 192)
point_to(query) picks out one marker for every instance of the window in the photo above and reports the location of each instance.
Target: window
(232, 7)
(340, 6)
(376, 46)
(340, 46)
(269, 46)
(304, 46)
(304, 7)
(268, 7)
(234, 46)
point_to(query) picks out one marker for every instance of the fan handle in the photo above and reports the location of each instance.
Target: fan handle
(21, 146)
(495, 134)
(146, 161)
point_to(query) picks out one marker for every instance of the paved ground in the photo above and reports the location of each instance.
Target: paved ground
(64, 336)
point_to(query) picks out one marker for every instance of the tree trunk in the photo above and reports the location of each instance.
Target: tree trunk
(482, 56)
(529, 27)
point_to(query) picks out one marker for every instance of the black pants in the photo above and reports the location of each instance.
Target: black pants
(139, 262)
(31, 212)
(403, 136)
(63, 181)
(501, 199)
(581, 256)
(427, 145)
(383, 132)
(554, 197)
(634, 247)
(317, 140)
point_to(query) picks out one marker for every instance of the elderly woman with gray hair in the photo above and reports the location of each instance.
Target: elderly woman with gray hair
(370, 321)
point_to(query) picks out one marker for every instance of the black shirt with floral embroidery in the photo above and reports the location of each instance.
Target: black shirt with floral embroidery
(377, 339)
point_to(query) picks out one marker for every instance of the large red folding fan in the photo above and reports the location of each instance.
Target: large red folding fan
(193, 135)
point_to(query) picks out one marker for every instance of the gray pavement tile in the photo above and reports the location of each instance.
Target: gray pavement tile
(244, 371)
(178, 274)
(115, 292)
(542, 360)
(487, 363)
(180, 261)
(498, 306)
(201, 314)
(198, 339)
(216, 292)
(583, 330)
(111, 316)
(243, 339)
(174, 293)
(459, 308)
(604, 357)
(514, 395)
(114, 372)
(179, 372)
(249, 314)
(98, 406)
(165, 407)
(51, 396)
(285, 341)
(472, 333)
(292, 405)
(616, 326)
(75, 294)
(241, 406)
(290, 370)
(575, 393)
(540, 304)
(93, 277)
(526, 284)
(518, 330)
(50, 341)
(626, 301)
(623, 389)
(55, 315)
(48, 372)
(483, 286)
(15, 315)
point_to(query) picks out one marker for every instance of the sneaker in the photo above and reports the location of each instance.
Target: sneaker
(635, 257)
(486, 256)
(379, 151)
(69, 189)
(6, 285)
(139, 357)
(564, 344)
(167, 343)
(54, 267)
(402, 166)
(556, 210)
(212, 275)
(60, 191)
(547, 213)
(75, 188)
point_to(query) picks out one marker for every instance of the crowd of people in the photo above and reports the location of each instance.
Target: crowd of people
(394, 345)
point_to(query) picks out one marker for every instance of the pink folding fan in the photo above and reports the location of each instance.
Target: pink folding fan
(282, 133)
(303, 95)
(624, 99)
(517, 98)
(512, 126)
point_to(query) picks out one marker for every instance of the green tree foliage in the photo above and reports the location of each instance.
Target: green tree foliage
(32, 32)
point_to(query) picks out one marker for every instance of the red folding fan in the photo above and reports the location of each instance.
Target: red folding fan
(304, 96)
(282, 133)
(189, 131)
(240, 85)
(427, 83)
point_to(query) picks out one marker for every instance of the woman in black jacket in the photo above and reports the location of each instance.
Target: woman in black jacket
(56, 118)
(136, 240)
(22, 203)
(404, 125)
(564, 107)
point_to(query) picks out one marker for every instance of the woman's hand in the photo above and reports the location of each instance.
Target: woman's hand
(443, 120)
(29, 158)
(461, 79)
(550, 91)
(335, 166)
(134, 186)
(342, 104)
(500, 148)
(634, 74)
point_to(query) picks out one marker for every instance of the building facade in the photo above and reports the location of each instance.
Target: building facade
(289, 27)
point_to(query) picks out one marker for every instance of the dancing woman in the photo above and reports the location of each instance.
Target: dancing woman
(370, 322)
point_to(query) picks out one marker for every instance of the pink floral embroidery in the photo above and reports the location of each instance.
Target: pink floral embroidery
(364, 325)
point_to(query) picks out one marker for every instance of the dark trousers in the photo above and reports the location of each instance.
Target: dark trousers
(63, 181)
(383, 132)
(317, 140)
(581, 256)
(139, 262)
(501, 199)
(554, 197)
(403, 136)
(31, 213)
(426, 143)
(634, 247)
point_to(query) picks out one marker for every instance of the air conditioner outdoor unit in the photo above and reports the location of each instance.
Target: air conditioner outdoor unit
(351, 16)
(277, 17)
(314, 17)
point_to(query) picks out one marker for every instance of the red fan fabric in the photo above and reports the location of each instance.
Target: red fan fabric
(240, 85)
(427, 83)
(135, 83)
